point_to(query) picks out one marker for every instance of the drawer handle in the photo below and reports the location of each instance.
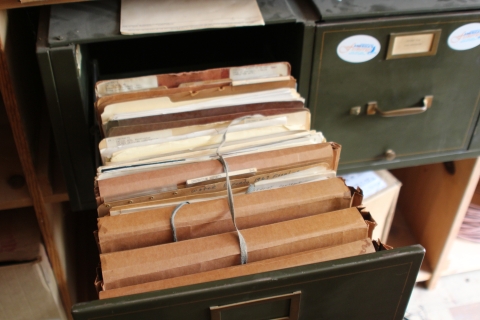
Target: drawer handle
(372, 109)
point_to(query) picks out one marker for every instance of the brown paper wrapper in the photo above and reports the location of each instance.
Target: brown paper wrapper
(154, 180)
(152, 227)
(126, 268)
(294, 260)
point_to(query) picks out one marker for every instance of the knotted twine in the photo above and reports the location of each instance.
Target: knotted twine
(231, 205)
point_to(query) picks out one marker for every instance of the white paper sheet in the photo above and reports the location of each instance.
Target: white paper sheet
(148, 16)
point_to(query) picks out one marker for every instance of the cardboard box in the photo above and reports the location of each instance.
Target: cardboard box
(152, 227)
(303, 258)
(126, 268)
(380, 191)
(29, 291)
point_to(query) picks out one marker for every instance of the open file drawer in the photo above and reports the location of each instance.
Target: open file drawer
(394, 63)
(371, 286)
(80, 43)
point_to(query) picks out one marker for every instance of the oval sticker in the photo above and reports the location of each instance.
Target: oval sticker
(359, 48)
(465, 37)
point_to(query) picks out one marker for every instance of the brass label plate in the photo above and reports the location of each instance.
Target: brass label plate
(293, 300)
(413, 44)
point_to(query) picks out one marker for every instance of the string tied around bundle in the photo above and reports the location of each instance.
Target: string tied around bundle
(231, 205)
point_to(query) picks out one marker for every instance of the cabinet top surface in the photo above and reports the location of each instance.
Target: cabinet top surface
(353, 9)
(100, 20)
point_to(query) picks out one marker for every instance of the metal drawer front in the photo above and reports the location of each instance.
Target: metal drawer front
(372, 286)
(342, 92)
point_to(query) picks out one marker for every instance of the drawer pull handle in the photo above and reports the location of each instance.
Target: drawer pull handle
(372, 109)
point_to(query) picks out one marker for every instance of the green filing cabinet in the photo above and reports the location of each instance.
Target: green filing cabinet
(377, 61)
(80, 43)
(372, 286)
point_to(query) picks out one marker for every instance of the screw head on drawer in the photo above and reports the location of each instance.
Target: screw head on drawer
(355, 111)
(390, 154)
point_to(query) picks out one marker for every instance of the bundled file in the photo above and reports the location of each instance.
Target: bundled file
(214, 174)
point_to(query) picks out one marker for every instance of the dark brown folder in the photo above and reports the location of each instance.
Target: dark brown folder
(164, 118)
(182, 122)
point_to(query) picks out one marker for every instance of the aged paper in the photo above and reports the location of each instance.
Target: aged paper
(146, 16)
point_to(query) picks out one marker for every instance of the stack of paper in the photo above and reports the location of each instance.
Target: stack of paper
(203, 171)
(146, 16)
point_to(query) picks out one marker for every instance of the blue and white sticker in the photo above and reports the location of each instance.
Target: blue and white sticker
(465, 37)
(358, 49)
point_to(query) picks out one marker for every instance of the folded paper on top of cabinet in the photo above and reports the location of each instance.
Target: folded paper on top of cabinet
(146, 16)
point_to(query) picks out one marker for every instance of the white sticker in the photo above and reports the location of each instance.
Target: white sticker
(270, 70)
(359, 48)
(466, 37)
(125, 85)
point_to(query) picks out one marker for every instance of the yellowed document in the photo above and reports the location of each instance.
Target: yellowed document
(147, 16)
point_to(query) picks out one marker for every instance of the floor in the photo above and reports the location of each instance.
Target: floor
(456, 297)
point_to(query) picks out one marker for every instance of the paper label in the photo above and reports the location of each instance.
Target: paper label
(118, 142)
(465, 37)
(368, 181)
(420, 43)
(221, 176)
(126, 85)
(358, 49)
(275, 184)
(259, 72)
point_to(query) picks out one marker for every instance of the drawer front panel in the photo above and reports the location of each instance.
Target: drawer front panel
(371, 286)
(452, 77)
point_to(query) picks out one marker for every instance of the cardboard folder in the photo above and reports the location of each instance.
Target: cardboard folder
(165, 121)
(239, 184)
(203, 99)
(186, 87)
(190, 79)
(196, 86)
(194, 137)
(152, 227)
(134, 184)
(131, 267)
(303, 258)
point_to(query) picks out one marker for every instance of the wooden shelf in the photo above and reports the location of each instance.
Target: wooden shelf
(11, 4)
(433, 201)
(400, 236)
(11, 196)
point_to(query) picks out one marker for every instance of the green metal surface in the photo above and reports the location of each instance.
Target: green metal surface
(373, 286)
(68, 118)
(452, 77)
(93, 26)
(100, 20)
(355, 9)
